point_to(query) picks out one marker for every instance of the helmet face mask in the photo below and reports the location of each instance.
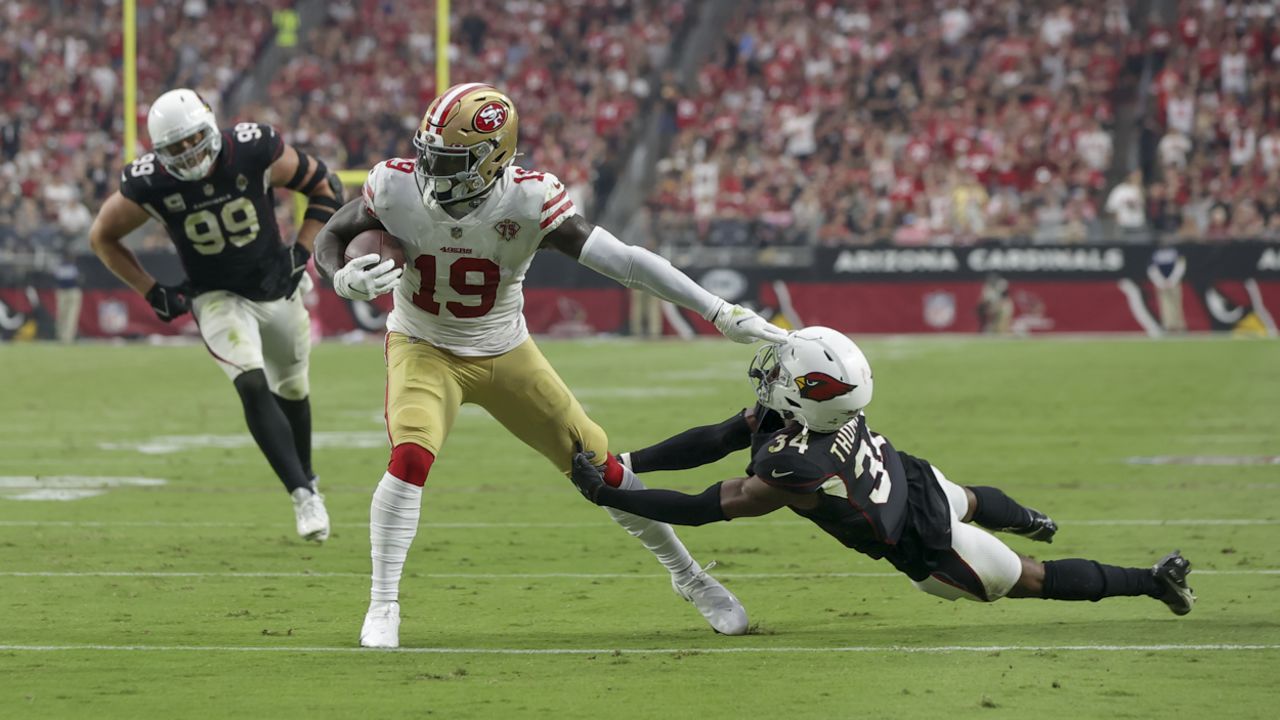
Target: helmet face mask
(450, 174)
(184, 134)
(191, 157)
(465, 141)
(767, 373)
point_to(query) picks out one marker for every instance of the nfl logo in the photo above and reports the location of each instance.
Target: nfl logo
(242, 182)
(208, 189)
(455, 232)
(939, 309)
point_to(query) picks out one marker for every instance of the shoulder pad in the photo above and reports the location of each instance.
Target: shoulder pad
(259, 139)
(787, 467)
(375, 183)
(551, 197)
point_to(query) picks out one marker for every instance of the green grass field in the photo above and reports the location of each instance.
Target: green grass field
(194, 598)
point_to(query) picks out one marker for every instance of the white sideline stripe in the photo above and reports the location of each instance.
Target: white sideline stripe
(907, 649)
(499, 576)
(570, 525)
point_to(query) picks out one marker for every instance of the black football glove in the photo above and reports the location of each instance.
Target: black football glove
(585, 475)
(169, 301)
(298, 257)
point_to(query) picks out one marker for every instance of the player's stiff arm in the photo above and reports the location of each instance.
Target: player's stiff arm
(212, 190)
(826, 465)
(471, 224)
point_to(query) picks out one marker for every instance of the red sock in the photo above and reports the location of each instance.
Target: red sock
(612, 471)
(411, 463)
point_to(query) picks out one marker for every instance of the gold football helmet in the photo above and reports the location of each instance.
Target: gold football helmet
(466, 139)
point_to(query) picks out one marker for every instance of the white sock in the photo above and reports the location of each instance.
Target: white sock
(393, 521)
(657, 537)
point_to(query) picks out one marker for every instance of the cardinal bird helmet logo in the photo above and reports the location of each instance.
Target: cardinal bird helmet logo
(820, 386)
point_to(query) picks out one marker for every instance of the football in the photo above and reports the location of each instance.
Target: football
(375, 242)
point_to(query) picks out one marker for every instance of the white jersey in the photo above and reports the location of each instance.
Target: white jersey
(463, 283)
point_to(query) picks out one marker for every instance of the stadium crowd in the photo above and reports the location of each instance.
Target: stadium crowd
(946, 121)
(913, 121)
(60, 112)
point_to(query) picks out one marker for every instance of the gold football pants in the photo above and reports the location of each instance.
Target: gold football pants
(520, 389)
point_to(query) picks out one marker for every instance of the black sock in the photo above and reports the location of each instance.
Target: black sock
(1077, 579)
(997, 511)
(299, 414)
(270, 429)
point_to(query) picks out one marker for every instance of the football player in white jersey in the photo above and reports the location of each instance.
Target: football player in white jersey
(471, 223)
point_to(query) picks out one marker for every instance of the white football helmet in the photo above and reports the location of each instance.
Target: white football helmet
(184, 134)
(817, 375)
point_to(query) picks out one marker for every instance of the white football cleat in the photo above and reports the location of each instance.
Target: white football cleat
(719, 606)
(381, 627)
(313, 519)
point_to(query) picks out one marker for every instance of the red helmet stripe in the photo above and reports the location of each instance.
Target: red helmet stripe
(451, 97)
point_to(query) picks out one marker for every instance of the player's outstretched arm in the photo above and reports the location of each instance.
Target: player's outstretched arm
(636, 267)
(734, 498)
(349, 221)
(300, 172)
(692, 448)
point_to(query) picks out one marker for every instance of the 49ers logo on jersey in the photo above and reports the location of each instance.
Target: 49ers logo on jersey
(821, 386)
(490, 117)
(507, 229)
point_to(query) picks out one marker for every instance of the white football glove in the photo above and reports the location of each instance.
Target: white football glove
(743, 325)
(364, 278)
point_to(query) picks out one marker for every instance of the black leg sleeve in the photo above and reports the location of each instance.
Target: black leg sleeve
(1077, 579)
(997, 511)
(694, 447)
(270, 429)
(298, 412)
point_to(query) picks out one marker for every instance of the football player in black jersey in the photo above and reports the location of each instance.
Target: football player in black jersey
(826, 464)
(213, 191)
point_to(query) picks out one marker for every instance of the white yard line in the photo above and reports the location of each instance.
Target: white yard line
(602, 523)
(891, 649)
(495, 576)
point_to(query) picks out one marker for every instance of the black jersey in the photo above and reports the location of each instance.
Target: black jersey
(224, 226)
(768, 422)
(872, 498)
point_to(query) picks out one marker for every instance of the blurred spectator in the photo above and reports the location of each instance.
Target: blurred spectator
(1126, 205)
(68, 296)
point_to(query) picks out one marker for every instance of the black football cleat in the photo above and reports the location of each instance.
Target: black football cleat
(1042, 528)
(1171, 572)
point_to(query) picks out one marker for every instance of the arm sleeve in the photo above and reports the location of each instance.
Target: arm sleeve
(637, 268)
(666, 506)
(694, 447)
